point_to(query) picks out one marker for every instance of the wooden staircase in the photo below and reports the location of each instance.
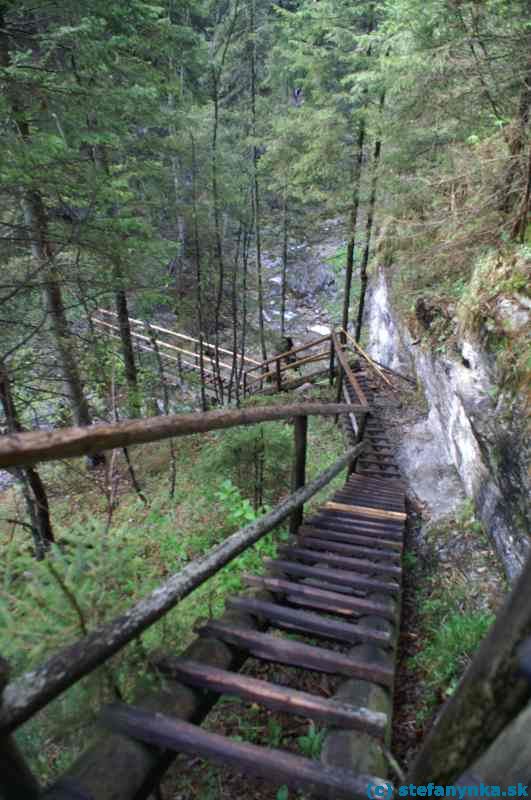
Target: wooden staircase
(332, 592)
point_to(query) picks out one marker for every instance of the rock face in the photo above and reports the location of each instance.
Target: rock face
(471, 424)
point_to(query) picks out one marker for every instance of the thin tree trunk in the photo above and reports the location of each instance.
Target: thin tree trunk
(256, 187)
(32, 486)
(369, 228)
(357, 167)
(353, 221)
(245, 264)
(217, 230)
(122, 312)
(198, 274)
(233, 381)
(166, 399)
(284, 263)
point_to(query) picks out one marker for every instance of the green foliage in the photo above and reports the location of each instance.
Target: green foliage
(311, 743)
(239, 509)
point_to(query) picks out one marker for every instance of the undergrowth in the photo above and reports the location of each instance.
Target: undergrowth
(455, 607)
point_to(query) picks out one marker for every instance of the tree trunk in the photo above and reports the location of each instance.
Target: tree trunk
(369, 227)
(37, 228)
(353, 221)
(256, 188)
(32, 487)
(284, 264)
(122, 312)
(198, 274)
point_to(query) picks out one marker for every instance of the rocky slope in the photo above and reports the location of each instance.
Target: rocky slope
(472, 429)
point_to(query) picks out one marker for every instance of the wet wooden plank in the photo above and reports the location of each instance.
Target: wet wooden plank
(343, 562)
(349, 537)
(267, 647)
(324, 599)
(309, 622)
(350, 524)
(275, 766)
(330, 575)
(270, 695)
(316, 543)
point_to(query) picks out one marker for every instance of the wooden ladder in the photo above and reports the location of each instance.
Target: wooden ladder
(338, 581)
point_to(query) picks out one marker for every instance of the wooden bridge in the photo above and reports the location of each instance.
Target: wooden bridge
(329, 603)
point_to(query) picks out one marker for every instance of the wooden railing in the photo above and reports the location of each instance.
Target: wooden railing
(217, 366)
(25, 696)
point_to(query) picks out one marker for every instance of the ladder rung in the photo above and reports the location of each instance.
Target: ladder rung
(275, 766)
(316, 543)
(330, 575)
(309, 622)
(298, 654)
(273, 696)
(342, 561)
(350, 537)
(326, 600)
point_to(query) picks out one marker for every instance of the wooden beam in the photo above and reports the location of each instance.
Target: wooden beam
(343, 360)
(342, 561)
(298, 477)
(182, 336)
(23, 449)
(308, 621)
(270, 695)
(366, 511)
(278, 767)
(342, 577)
(325, 599)
(35, 689)
(288, 651)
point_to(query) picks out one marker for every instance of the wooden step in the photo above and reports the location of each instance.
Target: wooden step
(374, 458)
(267, 647)
(309, 622)
(277, 767)
(316, 543)
(330, 575)
(364, 511)
(398, 486)
(348, 537)
(394, 486)
(370, 473)
(344, 562)
(324, 599)
(341, 521)
(270, 695)
(370, 499)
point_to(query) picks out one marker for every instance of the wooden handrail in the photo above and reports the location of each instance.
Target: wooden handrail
(22, 449)
(160, 343)
(28, 694)
(359, 349)
(182, 336)
(287, 353)
(360, 394)
(286, 367)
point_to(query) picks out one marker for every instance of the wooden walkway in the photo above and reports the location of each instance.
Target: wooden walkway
(333, 590)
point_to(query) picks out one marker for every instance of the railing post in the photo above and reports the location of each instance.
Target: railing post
(279, 375)
(299, 468)
(332, 360)
(16, 779)
(359, 438)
